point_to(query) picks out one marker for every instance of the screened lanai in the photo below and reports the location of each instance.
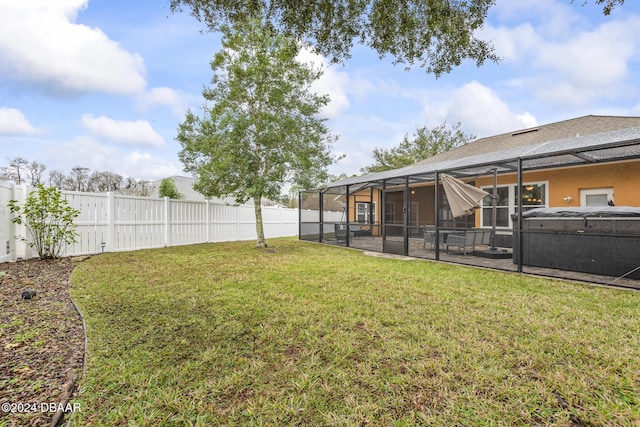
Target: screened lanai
(566, 208)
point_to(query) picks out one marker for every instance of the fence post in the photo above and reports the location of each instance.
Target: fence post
(22, 249)
(12, 231)
(238, 208)
(110, 243)
(207, 216)
(167, 224)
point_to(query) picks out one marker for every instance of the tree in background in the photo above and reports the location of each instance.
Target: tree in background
(438, 35)
(424, 143)
(105, 181)
(168, 189)
(57, 179)
(16, 171)
(261, 129)
(21, 171)
(80, 179)
(34, 171)
(134, 187)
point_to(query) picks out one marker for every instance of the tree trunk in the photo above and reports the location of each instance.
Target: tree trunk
(261, 243)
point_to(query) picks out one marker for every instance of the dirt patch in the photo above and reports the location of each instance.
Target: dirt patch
(41, 341)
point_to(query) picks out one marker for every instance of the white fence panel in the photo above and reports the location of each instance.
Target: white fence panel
(230, 223)
(113, 222)
(139, 223)
(309, 215)
(7, 230)
(279, 222)
(188, 222)
(23, 250)
(92, 223)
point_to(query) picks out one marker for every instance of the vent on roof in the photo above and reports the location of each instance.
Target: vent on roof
(524, 131)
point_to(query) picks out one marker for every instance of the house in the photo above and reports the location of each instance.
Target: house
(563, 179)
(184, 185)
(585, 161)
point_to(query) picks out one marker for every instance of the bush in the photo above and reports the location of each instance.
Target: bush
(48, 218)
(168, 189)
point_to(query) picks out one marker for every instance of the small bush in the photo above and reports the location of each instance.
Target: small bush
(168, 189)
(48, 218)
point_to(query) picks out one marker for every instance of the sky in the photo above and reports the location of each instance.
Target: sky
(104, 84)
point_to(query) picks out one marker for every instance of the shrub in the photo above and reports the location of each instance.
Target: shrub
(48, 218)
(168, 189)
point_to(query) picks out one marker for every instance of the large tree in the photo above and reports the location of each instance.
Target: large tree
(436, 34)
(260, 128)
(424, 143)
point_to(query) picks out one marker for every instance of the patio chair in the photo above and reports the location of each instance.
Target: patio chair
(468, 240)
(429, 237)
(341, 232)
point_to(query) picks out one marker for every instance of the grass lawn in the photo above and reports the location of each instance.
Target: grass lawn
(306, 334)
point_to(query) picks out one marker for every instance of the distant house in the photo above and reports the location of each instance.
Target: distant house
(185, 188)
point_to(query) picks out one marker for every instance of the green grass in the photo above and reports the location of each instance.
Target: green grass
(305, 334)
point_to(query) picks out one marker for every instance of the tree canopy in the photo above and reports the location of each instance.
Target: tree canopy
(434, 34)
(424, 143)
(260, 128)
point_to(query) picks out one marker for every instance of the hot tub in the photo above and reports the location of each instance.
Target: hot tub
(598, 240)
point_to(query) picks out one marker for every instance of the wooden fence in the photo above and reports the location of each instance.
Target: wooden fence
(112, 222)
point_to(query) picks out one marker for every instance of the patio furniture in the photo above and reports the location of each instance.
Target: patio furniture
(468, 240)
(429, 237)
(341, 232)
(358, 231)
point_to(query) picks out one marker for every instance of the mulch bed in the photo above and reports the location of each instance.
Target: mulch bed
(41, 342)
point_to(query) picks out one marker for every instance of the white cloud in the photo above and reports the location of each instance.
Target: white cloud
(82, 151)
(139, 132)
(591, 64)
(513, 44)
(40, 43)
(332, 82)
(149, 167)
(550, 17)
(480, 110)
(562, 58)
(13, 122)
(178, 101)
(88, 152)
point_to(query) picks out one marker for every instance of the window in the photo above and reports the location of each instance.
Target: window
(596, 197)
(534, 195)
(366, 212)
(502, 208)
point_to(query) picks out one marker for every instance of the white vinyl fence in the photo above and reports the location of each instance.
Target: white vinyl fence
(113, 222)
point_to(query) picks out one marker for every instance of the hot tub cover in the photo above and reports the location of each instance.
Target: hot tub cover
(584, 212)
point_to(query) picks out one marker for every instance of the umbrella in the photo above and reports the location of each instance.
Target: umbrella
(463, 198)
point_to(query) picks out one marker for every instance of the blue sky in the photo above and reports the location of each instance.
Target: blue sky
(104, 84)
